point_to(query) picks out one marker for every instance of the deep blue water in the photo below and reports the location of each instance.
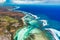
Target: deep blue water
(48, 12)
(52, 11)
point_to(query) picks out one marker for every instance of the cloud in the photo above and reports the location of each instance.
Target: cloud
(28, 2)
(2, 1)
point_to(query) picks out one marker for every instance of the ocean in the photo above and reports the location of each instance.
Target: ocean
(52, 11)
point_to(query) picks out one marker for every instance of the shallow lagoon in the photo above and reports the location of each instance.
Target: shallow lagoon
(50, 13)
(47, 12)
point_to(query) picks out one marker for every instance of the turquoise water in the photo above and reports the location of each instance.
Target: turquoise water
(50, 13)
(50, 25)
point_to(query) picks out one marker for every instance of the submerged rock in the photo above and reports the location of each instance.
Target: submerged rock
(32, 31)
(9, 23)
(15, 25)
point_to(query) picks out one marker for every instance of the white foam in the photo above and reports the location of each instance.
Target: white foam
(44, 22)
(54, 33)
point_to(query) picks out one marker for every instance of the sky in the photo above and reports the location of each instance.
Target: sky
(29, 1)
